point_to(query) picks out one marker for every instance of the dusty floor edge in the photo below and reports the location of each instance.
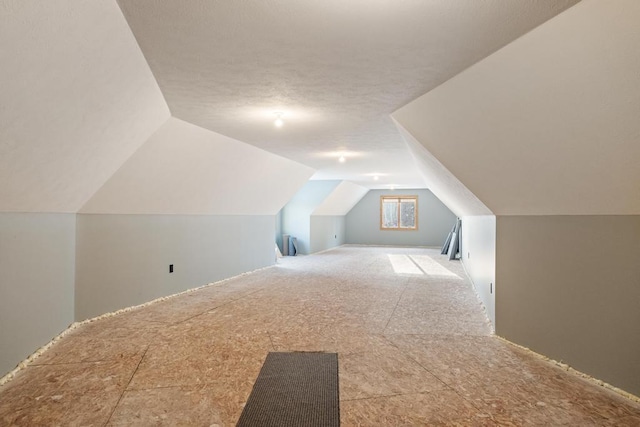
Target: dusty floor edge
(33, 356)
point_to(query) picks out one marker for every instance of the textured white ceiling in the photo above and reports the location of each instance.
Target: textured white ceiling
(77, 98)
(336, 68)
(551, 123)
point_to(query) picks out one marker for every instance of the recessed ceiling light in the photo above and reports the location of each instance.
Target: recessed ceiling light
(342, 159)
(279, 122)
(376, 177)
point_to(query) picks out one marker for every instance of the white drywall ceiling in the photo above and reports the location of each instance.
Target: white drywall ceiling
(341, 200)
(77, 98)
(185, 169)
(550, 123)
(336, 68)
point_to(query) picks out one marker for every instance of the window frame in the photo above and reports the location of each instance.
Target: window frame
(398, 199)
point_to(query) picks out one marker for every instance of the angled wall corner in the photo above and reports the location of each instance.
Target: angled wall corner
(545, 133)
(315, 215)
(184, 169)
(78, 99)
(72, 113)
(328, 220)
(341, 200)
(548, 124)
(191, 198)
(296, 214)
(446, 186)
(478, 222)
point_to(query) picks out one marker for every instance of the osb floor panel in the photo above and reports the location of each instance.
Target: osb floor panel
(414, 344)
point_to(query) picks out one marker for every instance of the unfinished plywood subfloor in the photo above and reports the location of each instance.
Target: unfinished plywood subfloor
(414, 348)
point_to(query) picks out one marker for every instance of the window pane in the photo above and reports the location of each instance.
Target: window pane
(407, 214)
(390, 214)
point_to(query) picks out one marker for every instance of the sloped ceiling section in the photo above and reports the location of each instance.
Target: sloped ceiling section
(335, 68)
(548, 124)
(185, 169)
(341, 200)
(311, 195)
(442, 182)
(77, 98)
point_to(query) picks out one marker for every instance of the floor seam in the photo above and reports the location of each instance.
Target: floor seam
(396, 306)
(415, 361)
(209, 310)
(382, 396)
(436, 363)
(124, 390)
(164, 387)
(113, 359)
(273, 347)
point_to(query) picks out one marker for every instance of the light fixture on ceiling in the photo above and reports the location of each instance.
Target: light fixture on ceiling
(376, 177)
(342, 159)
(279, 122)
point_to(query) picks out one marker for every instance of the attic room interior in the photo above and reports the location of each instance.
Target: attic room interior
(153, 154)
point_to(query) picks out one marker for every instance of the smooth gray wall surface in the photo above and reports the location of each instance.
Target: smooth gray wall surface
(123, 260)
(569, 287)
(478, 253)
(327, 231)
(279, 230)
(37, 267)
(434, 221)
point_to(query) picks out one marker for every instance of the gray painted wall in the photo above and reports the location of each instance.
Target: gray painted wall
(37, 258)
(478, 252)
(279, 230)
(569, 288)
(123, 260)
(434, 221)
(296, 215)
(327, 231)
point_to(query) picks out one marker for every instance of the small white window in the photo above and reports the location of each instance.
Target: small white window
(398, 212)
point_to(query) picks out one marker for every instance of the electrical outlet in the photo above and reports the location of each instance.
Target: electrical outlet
(170, 268)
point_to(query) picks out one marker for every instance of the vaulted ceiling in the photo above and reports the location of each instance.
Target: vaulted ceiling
(500, 106)
(336, 69)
